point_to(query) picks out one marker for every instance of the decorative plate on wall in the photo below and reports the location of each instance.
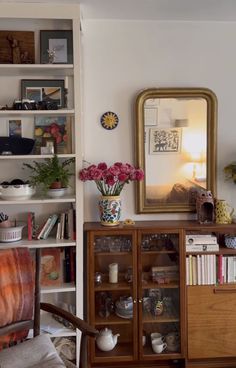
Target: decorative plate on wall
(109, 120)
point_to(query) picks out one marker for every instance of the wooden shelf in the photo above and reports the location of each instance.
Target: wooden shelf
(64, 288)
(155, 285)
(120, 350)
(35, 200)
(163, 251)
(33, 244)
(33, 157)
(108, 286)
(113, 319)
(164, 318)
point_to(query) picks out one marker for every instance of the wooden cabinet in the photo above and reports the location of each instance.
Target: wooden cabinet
(147, 298)
(202, 316)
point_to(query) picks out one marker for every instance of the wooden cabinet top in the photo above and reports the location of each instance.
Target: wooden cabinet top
(161, 225)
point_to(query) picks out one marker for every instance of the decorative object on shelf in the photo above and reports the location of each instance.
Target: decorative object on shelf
(14, 127)
(223, 212)
(16, 192)
(110, 210)
(230, 172)
(98, 278)
(55, 129)
(104, 304)
(109, 120)
(105, 340)
(50, 267)
(110, 181)
(205, 206)
(128, 222)
(48, 91)
(17, 47)
(11, 233)
(4, 222)
(56, 192)
(230, 241)
(49, 173)
(58, 42)
(16, 146)
(113, 273)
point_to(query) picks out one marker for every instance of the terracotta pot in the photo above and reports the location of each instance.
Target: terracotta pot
(56, 185)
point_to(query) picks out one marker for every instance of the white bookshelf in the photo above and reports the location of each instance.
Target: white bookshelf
(35, 17)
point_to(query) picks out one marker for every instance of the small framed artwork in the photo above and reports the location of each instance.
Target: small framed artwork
(165, 141)
(50, 91)
(48, 146)
(14, 128)
(52, 133)
(56, 47)
(17, 47)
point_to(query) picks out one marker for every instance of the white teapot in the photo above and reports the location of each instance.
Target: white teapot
(105, 340)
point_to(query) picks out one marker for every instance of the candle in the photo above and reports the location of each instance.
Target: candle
(66, 83)
(113, 273)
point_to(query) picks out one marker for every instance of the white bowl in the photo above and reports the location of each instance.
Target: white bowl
(16, 192)
(55, 193)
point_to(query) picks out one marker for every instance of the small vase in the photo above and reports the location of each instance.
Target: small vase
(110, 208)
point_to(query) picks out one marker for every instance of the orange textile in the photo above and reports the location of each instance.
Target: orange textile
(16, 290)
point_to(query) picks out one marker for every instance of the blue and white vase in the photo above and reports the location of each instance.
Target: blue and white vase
(110, 209)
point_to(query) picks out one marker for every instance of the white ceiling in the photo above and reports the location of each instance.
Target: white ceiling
(203, 10)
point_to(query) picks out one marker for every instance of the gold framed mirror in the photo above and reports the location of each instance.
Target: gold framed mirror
(176, 147)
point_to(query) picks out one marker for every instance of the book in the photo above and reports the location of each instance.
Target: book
(56, 128)
(31, 225)
(42, 228)
(200, 239)
(51, 273)
(202, 248)
(49, 227)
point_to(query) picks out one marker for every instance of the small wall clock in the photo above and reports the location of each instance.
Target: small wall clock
(109, 120)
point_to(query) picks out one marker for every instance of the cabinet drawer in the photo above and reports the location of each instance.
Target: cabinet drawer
(211, 321)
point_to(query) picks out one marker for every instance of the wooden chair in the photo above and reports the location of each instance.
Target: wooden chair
(40, 351)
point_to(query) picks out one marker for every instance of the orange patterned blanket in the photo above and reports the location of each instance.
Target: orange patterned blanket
(16, 290)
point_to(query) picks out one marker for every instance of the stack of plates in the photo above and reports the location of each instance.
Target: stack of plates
(124, 309)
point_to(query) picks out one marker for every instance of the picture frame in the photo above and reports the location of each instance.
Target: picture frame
(47, 90)
(15, 128)
(52, 132)
(56, 46)
(17, 47)
(165, 140)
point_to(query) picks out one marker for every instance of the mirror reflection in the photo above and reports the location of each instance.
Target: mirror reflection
(175, 147)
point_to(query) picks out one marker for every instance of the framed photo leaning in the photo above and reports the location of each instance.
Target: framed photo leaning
(56, 47)
(50, 91)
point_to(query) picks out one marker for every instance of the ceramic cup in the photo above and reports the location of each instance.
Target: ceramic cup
(158, 346)
(157, 337)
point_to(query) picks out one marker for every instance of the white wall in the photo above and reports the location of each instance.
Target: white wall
(123, 57)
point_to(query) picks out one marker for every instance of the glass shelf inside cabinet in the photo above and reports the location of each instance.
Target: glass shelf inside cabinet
(160, 292)
(114, 299)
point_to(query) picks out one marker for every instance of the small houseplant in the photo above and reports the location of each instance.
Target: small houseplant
(50, 174)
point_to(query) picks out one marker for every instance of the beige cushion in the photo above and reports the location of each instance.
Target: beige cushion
(38, 352)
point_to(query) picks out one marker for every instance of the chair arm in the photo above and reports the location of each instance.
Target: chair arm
(83, 326)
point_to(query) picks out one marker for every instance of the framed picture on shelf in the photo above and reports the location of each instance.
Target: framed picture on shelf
(17, 47)
(50, 91)
(51, 271)
(56, 47)
(14, 128)
(52, 133)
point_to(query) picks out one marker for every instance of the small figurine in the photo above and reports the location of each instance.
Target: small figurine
(205, 207)
(51, 56)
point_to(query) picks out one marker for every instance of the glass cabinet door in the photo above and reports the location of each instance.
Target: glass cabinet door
(113, 308)
(159, 295)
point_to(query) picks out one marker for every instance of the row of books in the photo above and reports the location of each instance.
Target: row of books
(201, 243)
(64, 223)
(58, 266)
(210, 269)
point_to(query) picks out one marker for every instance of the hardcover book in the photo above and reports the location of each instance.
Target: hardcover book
(51, 273)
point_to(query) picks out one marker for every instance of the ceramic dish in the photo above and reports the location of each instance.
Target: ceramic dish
(16, 192)
(55, 193)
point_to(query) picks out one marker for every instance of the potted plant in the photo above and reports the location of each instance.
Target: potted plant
(50, 174)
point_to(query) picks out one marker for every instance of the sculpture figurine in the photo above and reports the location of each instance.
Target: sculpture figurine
(205, 207)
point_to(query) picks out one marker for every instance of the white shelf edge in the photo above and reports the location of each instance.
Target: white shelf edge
(38, 112)
(66, 199)
(34, 244)
(20, 157)
(65, 287)
(36, 66)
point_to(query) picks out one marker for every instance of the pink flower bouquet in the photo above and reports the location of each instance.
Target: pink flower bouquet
(111, 180)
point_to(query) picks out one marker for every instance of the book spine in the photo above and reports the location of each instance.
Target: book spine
(187, 270)
(190, 270)
(30, 226)
(67, 265)
(199, 271)
(43, 227)
(202, 248)
(50, 226)
(220, 269)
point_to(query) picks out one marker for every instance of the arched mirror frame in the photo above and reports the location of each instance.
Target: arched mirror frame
(141, 204)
